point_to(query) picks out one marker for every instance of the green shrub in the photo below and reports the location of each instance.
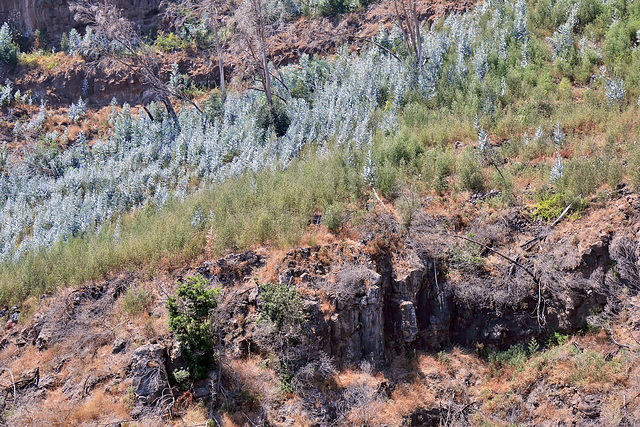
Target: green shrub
(550, 206)
(281, 309)
(583, 176)
(168, 42)
(505, 183)
(388, 180)
(515, 357)
(633, 167)
(620, 39)
(190, 320)
(466, 257)
(182, 378)
(334, 7)
(556, 338)
(64, 43)
(403, 150)
(281, 305)
(8, 49)
(273, 117)
(136, 301)
(408, 207)
(437, 166)
(333, 217)
(470, 171)
(590, 11)
(299, 89)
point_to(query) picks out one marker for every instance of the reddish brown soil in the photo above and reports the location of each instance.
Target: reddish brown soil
(58, 79)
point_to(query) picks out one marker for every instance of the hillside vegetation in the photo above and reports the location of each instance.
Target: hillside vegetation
(511, 96)
(464, 148)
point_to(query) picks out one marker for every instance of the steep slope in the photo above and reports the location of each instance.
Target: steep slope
(396, 333)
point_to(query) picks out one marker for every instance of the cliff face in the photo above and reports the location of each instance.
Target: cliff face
(54, 16)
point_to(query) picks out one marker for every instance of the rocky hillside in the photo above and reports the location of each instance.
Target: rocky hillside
(60, 81)
(448, 241)
(397, 330)
(53, 17)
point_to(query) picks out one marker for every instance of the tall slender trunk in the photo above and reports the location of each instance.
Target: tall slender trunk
(266, 80)
(172, 113)
(418, 40)
(220, 64)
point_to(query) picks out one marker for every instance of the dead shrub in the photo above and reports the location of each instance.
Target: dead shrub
(624, 252)
(362, 399)
(352, 281)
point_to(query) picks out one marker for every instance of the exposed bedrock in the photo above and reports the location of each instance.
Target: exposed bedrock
(54, 16)
(371, 311)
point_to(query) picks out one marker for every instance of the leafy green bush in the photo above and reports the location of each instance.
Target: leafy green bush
(214, 107)
(620, 39)
(550, 206)
(583, 176)
(556, 338)
(470, 171)
(182, 378)
(281, 309)
(273, 117)
(281, 305)
(334, 7)
(168, 42)
(403, 150)
(190, 320)
(437, 166)
(64, 42)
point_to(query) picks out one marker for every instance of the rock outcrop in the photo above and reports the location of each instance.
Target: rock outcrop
(149, 378)
(54, 16)
(372, 310)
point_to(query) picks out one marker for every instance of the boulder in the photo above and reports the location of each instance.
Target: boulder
(149, 375)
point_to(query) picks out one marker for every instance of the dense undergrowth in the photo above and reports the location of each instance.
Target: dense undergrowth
(541, 94)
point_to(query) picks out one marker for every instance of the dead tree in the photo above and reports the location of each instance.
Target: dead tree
(409, 22)
(209, 12)
(255, 28)
(118, 41)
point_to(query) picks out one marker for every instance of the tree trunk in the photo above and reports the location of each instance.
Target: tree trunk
(266, 80)
(220, 64)
(172, 113)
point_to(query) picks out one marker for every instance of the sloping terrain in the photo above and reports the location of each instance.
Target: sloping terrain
(60, 80)
(384, 341)
(453, 242)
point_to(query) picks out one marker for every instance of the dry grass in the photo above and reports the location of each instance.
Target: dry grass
(99, 407)
(55, 63)
(406, 399)
(268, 273)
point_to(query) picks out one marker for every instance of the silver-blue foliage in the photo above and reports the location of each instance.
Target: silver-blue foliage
(47, 196)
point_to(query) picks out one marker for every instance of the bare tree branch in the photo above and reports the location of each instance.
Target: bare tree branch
(408, 20)
(118, 41)
(256, 28)
(211, 13)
